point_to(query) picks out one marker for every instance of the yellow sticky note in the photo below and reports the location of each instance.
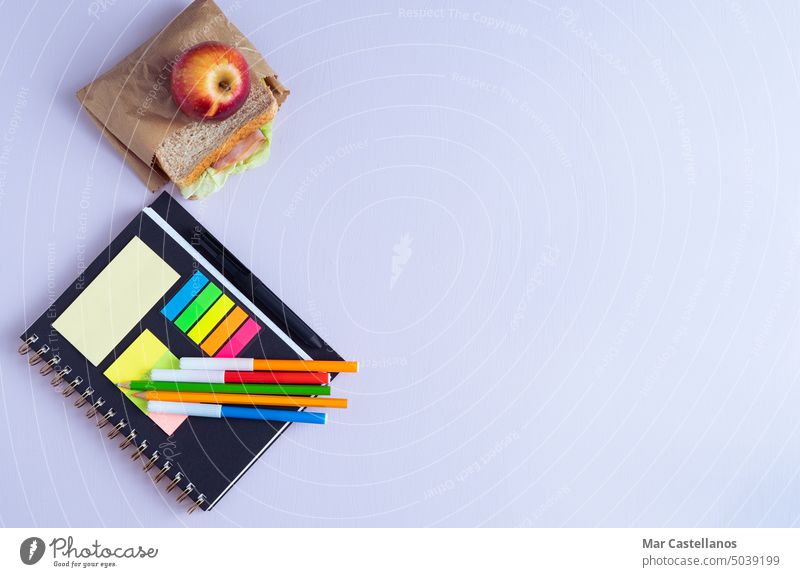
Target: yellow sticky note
(143, 355)
(116, 300)
(135, 363)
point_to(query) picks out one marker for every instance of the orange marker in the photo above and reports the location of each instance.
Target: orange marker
(236, 399)
(242, 364)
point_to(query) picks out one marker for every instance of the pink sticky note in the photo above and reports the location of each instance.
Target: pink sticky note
(168, 423)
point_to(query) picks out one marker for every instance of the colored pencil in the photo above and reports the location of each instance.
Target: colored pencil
(229, 399)
(241, 364)
(266, 377)
(220, 411)
(224, 388)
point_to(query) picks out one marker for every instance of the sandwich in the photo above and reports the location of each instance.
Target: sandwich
(200, 156)
(231, 112)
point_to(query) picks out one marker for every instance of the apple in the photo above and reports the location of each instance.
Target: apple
(210, 80)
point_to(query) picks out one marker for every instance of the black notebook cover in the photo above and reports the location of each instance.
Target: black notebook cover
(206, 456)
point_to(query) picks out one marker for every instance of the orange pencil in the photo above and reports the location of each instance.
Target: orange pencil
(236, 399)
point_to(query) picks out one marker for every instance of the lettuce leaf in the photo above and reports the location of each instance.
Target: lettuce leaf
(211, 180)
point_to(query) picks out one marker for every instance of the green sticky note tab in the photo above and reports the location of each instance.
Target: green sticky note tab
(198, 307)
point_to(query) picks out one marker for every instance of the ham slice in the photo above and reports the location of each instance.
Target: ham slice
(244, 148)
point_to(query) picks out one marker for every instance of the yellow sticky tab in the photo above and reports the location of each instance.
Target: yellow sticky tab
(209, 320)
(143, 355)
(116, 300)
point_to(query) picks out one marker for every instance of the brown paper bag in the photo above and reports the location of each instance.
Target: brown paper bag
(131, 103)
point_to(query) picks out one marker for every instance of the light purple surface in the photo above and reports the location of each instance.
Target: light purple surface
(561, 239)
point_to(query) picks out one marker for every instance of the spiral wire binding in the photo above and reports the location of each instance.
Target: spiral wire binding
(70, 388)
(59, 377)
(86, 395)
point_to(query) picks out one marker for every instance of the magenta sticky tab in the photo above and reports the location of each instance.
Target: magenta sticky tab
(239, 340)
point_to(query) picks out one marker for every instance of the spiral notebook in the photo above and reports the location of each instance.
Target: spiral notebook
(166, 288)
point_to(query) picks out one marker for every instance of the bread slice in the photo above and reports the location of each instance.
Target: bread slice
(186, 153)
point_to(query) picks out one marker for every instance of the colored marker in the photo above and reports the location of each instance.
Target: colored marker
(224, 388)
(266, 377)
(230, 399)
(224, 411)
(241, 364)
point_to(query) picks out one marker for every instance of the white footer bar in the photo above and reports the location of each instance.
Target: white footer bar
(379, 552)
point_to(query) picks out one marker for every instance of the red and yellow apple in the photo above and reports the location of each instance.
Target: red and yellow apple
(210, 81)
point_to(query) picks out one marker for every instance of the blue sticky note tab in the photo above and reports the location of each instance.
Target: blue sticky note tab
(184, 296)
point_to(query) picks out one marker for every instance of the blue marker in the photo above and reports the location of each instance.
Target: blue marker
(233, 412)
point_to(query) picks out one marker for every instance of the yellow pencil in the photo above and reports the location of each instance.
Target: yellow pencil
(236, 399)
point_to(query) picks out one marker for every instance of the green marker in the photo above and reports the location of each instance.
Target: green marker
(228, 388)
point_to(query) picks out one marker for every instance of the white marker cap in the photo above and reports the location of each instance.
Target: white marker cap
(181, 376)
(209, 364)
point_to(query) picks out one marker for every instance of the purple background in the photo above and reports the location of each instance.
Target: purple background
(561, 239)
